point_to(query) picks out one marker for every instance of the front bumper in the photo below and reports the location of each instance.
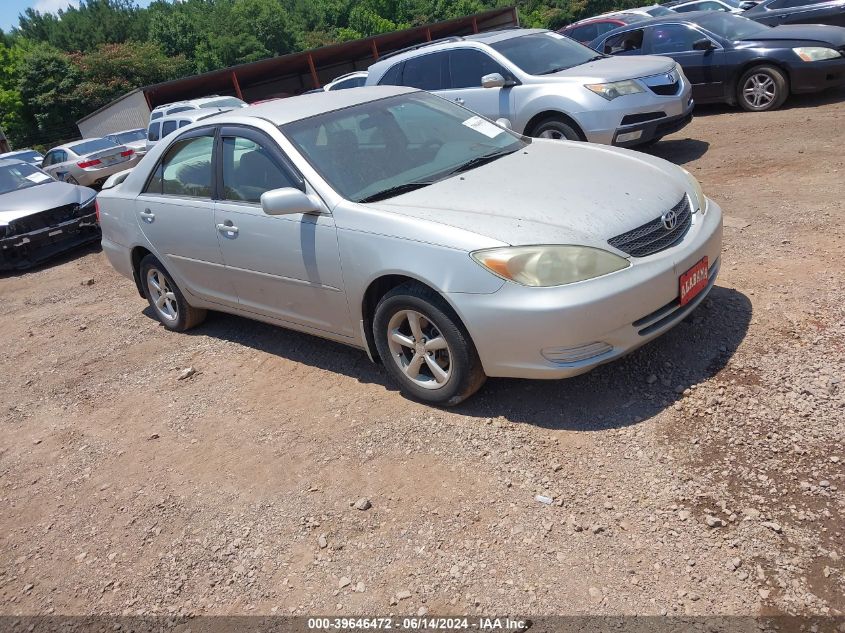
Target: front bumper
(29, 249)
(627, 136)
(817, 76)
(517, 329)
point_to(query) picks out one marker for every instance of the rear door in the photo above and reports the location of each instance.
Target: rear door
(288, 266)
(704, 69)
(466, 68)
(176, 213)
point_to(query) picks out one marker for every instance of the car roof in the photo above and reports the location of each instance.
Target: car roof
(304, 106)
(190, 115)
(615, 16)
(487, 37)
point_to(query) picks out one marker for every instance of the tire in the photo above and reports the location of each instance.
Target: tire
(556, 128)
(762, 88)
(460, 373)
(173, 312)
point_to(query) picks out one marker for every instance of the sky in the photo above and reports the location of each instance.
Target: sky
(10, 9)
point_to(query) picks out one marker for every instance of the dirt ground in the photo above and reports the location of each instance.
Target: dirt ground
(703, 474)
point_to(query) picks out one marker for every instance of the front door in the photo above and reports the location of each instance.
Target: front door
(176, 214)
(286, 267)
(704, 69)
(466, 67)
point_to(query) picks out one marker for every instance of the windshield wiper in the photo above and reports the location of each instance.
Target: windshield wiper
(557, 69)
(395, 191)
(472, 163)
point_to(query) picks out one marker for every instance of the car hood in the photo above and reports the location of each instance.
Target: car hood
(830, 35)
(553, 192)
(615, 68)
(19, 204)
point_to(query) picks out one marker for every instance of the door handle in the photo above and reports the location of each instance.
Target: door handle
(147, 215)
(228, 229)
(459, 101)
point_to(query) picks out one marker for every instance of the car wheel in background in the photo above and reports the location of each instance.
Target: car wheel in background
(166, 300)
(425, 348)
(762, 88)
(555, 128)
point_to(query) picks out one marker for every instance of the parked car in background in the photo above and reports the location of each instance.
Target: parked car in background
(26, 155)
(546, 85)
(157, 130)
(651, 11)
(40, 217)
(214, 101)
(726, 6)
(585, 31)
(135, 139)
(350, 80)
(774, 12)
(88, 162)
(466, 250)
(733, 59)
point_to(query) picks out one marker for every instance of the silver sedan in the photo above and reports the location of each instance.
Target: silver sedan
(88, 162)
(447, 247)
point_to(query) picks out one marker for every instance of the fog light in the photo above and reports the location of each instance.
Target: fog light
(576, 354)
(628, 136)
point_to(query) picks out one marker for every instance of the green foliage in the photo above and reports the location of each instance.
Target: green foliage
(54, 69)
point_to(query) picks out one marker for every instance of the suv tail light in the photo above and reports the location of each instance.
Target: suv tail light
(88, 163)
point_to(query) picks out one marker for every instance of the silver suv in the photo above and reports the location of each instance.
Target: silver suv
(546, 85)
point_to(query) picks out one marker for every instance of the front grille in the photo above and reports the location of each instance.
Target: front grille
(653, 237)
(46, 219)
(666, 90)
(630, 119)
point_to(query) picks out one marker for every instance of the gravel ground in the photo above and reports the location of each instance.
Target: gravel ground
(703, 474)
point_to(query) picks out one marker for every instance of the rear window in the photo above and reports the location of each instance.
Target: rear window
(153, 134)
(26, 156)
(95, 145)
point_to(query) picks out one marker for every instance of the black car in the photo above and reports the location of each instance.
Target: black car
(774, 12)
(732, 59)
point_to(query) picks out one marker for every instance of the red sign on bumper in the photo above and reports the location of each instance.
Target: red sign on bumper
(693, 281)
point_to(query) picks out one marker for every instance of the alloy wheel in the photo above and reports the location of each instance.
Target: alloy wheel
(164, 299)
(759, 90)
(555, 135)
(419, 349)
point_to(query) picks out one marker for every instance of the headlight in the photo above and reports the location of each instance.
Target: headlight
(816, 53)
(549, 265)
(699, 202)
(616, 89)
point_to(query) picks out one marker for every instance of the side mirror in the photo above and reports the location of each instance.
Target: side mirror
(493, 80)
(505, 123)
(703, 44)
(288, 201)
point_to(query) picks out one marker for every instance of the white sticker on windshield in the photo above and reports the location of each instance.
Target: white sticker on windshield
(485, 127)
(557, 36)
(38, 177)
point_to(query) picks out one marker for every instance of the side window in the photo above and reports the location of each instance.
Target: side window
(353, 82)
(183, 123)
(426, 72)
(178, 109)
(468, 66)
(249, 170)
(167, 127)
(627, 43)
(48, 160)
(153, 133)
(185, 169)
(673, 38)
(585, 33)
(156, 115)
(393, 77)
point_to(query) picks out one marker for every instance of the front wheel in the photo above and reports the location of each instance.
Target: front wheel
(557, 129)
(762, 88)
(424, 347)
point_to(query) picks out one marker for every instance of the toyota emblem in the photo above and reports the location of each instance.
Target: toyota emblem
(669, 219)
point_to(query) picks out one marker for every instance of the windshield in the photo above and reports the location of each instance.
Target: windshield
(225, 102)
(21, 176)
(544, 53)
(128, 137)
(730, 27)
(94, 145)
(408, 141)
(27, 156)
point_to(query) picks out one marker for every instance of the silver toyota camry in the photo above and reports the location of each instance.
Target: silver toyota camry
(447, 247)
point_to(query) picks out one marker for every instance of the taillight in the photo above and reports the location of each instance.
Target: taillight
(97, 210)
(128, 152)
(88, 163)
